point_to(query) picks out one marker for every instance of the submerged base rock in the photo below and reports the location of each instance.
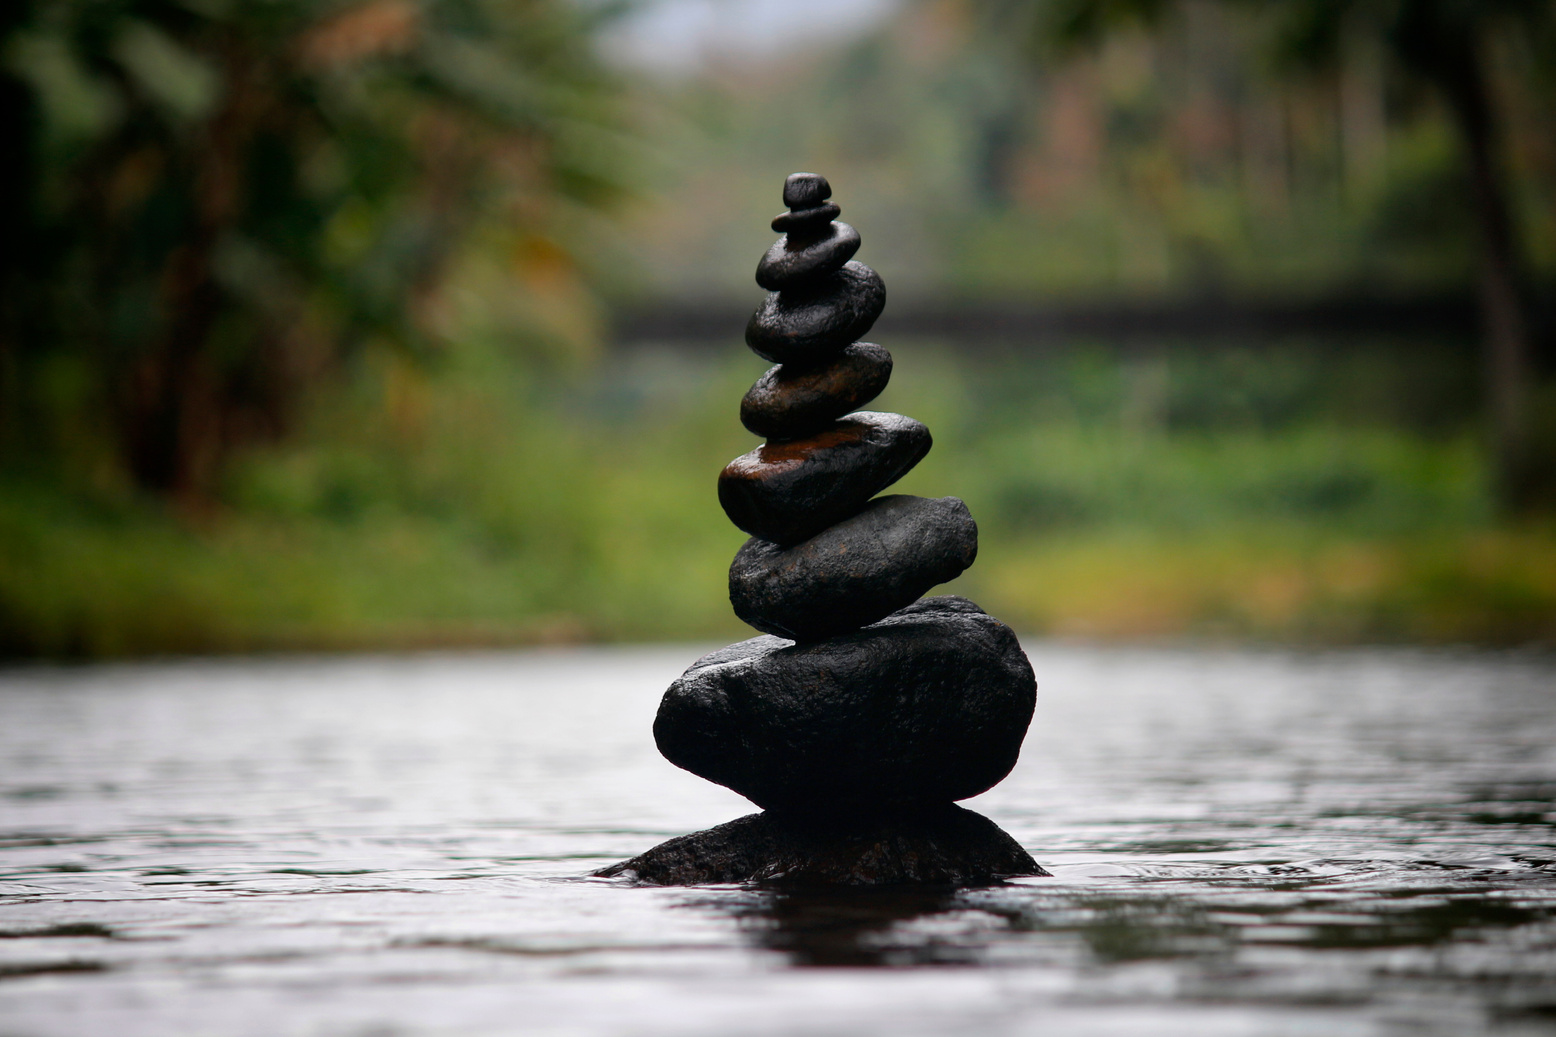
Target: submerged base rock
(925, 707)
(944, 846)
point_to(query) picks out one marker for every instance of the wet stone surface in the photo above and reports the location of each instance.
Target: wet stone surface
(790, 491)
(810, 323)
(791, 401)
(948, 846)
(805, 190)
(855, 572)
(843, 571)
(806, 221)
(923, 708)
(793, 260)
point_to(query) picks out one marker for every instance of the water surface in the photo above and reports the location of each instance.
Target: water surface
(1259, 843)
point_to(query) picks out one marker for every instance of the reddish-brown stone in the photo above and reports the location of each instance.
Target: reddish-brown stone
(791, 401)
(789, 491)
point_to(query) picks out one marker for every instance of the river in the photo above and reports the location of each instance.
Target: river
(1242, 842)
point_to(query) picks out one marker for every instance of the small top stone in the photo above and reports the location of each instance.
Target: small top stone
(805, 190)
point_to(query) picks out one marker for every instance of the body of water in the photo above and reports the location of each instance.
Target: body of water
(1242, 842)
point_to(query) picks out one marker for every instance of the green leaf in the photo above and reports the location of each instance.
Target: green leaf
(77, 105)
(173, 77)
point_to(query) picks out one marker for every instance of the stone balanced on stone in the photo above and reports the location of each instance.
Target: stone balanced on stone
(865, 712)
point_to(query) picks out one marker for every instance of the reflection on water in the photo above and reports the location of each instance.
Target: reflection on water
(1241, 842)
(868, 927)
(943, 927)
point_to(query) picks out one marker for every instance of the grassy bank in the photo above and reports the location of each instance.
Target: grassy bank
(475, 505)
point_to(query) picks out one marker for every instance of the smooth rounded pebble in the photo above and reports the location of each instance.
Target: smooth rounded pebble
(805, 190)
(806, 221)
(791, 401)
(928, 706)
(856, 572)
(814, 321)
(792, 262)
(790, 491)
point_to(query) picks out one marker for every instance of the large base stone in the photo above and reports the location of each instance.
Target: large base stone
(946, 846)
(926, 707)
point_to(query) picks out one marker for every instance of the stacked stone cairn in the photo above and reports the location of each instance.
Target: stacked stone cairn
(864, 712)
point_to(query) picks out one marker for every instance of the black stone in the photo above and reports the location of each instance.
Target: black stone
(791, 401)
(791, 262)
(945, 846)
(807, 324)
(805, 190)
(804, 221)
(790, 491)
(925, 707)
(856, 572)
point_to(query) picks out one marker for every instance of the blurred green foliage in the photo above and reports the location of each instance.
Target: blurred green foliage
(1261, 493)
(211, 205)
(1174, 159)
(1444, 46)
(363, 242)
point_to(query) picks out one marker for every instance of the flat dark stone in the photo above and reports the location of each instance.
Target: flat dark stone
(793, 261)
(809, 323)
(948, 846)
(790, 491)
(856, 572)
(791, 401)
(926, 707)
(802, 220)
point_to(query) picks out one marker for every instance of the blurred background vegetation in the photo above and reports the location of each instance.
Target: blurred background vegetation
(384, 323)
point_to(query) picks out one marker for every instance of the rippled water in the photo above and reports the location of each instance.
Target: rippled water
(1242, 843)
